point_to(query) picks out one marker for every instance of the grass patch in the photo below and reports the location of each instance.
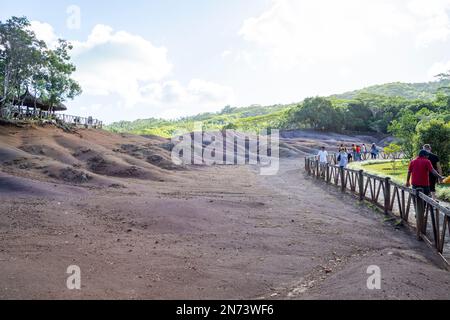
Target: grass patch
(443, 193)
(384, 168)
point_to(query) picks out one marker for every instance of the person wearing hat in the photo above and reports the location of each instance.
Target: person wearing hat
(419, 173)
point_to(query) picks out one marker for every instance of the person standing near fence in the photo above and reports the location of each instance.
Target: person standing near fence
(322, 156)
(374, 151)
(358, 153)
(349, 155)
(343, 158)
(364, 152)
(419, 173)
(435, 161)
(353, 151)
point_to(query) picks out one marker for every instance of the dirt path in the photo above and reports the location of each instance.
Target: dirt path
(210, 233)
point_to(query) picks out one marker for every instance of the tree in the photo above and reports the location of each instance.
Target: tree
(20, 58)
(358, 116)
(435, 132)
(404, 129)
(394, 151)
(319, 113)
(227, 110)
(28, 65)
(59, 86)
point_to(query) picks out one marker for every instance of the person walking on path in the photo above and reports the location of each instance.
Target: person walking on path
(419, 173)
(435, 161)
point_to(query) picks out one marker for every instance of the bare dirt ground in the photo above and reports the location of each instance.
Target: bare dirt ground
(142, 229)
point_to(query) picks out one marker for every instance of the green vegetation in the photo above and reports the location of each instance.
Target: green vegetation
(27, 65)
(413, 130)
(317, 113)
(250, 119)
(394, 151)
(443, 193)
(410, 91)
(436, 132)
(397, 173)
(364, 112)
(384, 168)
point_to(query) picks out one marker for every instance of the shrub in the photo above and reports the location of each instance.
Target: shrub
(435, 132)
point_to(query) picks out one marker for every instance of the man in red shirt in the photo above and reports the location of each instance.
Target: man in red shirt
(420, 170)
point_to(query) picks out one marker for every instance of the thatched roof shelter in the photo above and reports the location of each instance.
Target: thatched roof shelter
(60, 107)
(30, 101)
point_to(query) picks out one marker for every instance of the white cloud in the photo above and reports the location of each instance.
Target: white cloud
(178, 100)
(111, 62)
(438, 68)
(127, 66)
(294, 33)
(210, 92)
(226, 53)
(432, 20)
(44, 32)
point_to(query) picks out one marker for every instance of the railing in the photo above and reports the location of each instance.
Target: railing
(430, 219)
(31, 113)
(380, 155)
(80, 121)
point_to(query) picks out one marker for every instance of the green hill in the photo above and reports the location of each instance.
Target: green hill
(387, 98)
(251, 118)
(411, 91)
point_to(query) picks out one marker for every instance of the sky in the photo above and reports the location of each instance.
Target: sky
(138, 59)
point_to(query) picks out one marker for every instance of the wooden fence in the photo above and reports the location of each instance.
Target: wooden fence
(429, 219)
(23, 113)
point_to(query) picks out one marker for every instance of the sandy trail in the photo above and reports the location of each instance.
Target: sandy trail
(209, 233)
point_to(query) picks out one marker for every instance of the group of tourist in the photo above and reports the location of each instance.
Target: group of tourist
(346, 154)
(423, 174)
(359, 152)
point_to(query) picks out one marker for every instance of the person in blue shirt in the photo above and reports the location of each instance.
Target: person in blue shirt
(374, 151)
(342, 159)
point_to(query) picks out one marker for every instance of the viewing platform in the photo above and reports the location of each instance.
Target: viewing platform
(24, 113)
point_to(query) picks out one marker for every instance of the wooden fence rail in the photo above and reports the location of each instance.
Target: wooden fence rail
(31, 113)
(430, 219)
(381, 155)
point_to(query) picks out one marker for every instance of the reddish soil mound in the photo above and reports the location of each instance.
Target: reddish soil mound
(90, 157)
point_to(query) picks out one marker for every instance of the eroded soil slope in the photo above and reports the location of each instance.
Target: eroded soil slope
(138, 227)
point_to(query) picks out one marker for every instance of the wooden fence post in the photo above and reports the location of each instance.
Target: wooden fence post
(420, 214)
(317, 169)
(342, 173)
(387, 195)
(361, 185)
(328, 172)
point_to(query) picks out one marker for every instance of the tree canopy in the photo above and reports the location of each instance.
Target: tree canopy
(28, 65)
